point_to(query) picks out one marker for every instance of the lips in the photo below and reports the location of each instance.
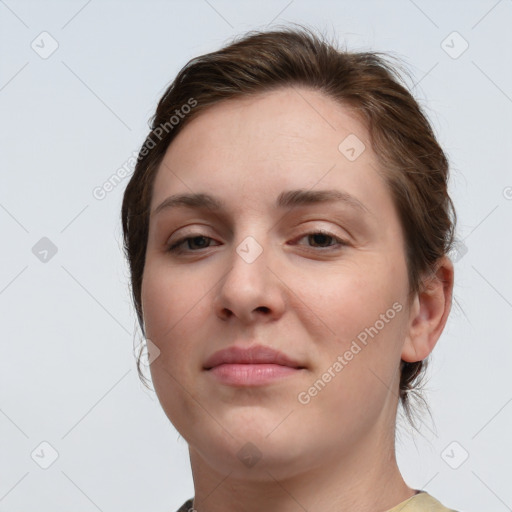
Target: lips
(251, 367)
(257, 354)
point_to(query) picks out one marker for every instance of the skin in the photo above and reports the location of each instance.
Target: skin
(336, 452)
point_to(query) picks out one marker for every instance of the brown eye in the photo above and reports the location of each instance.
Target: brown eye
(320, 239)
(323, 240)
(194, 242)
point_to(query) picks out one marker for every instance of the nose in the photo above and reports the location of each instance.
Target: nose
(251, 290)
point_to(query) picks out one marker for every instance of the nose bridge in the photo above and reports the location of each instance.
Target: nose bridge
(251, 244)
(249, 285)
(249, 264)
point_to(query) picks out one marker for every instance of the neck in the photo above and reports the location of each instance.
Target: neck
(358, 481)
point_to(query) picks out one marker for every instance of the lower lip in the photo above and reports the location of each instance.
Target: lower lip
(251, 374)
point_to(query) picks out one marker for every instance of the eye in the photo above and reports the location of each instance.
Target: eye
(195, 242)
(196, 239)
(321, 240)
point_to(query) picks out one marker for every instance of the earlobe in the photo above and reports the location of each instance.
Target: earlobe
(429, 312)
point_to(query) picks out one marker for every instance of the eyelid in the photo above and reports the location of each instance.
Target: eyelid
(340, 242)
(336, 227)
(191, 230)
(172, 246)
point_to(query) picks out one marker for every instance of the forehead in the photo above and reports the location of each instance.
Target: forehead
(284, 139)
(284, 120)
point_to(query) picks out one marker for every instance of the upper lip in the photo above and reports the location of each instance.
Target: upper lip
(257, 354)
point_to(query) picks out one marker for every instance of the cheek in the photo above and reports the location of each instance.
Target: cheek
(171, 301)
(355, 298)
(358, 371)
(174, 313)
(365, 314)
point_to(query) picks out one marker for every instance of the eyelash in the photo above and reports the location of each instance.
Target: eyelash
(174, 248)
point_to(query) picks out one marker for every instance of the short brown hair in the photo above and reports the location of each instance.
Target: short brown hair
(412, 161)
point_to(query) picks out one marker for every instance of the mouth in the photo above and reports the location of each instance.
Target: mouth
(253, 366)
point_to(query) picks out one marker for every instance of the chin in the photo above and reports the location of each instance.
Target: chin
(248, 449)
(257, 461)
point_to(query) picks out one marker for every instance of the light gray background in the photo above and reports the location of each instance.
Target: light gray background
(71, 120)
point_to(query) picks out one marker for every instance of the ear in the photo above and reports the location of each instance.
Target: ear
(429, 312)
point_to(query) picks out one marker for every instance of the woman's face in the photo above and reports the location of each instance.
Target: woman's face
(319, 278)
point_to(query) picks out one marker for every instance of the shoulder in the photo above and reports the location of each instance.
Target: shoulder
(187, 506)
(422, 502)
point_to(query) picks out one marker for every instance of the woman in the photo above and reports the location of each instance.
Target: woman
(287, 229)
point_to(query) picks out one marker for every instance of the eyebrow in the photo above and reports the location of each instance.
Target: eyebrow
(288, 199)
